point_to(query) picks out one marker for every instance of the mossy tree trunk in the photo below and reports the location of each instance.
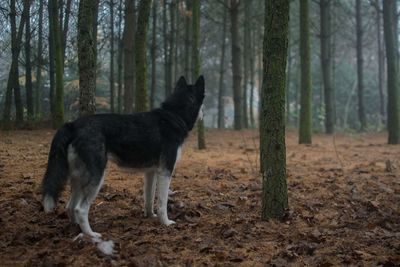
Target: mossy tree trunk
(305, 123)
(392, 59)
(201, 142)
(153, 55)
(129, 58)
(272, 120)
(58, 118)
(87, 57)
(141, 99)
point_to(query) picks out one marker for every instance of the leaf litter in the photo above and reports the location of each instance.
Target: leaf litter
(339, 215)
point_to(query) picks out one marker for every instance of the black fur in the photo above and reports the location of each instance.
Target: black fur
(138, 140)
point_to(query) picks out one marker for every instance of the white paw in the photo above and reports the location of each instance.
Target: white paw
(94, 235)
(150, 215)
(168, 222)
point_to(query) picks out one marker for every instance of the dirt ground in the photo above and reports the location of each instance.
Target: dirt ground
(344, 207)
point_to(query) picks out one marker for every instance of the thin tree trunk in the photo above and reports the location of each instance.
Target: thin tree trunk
(112, 84)
(221, 91)
(58, 118)
(236, 65)
(360, 68)
(177, 43)
(128, 43)
(381, 64)
(188, 35)
(13, 77)
(305, 126)
(201, 143)
(120, 51)
(246, 61)
(392, 61)
(167, 71)
(28, 67)
(39, 85)
(153, 55)
(141, 101)
(87, 57)
(65, 27)
(272, 127)
(52, 80)
(252, 62)
(326, 64)
(288, 79)
(172, 44)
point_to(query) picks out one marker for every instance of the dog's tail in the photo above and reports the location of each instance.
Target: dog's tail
(57, 168)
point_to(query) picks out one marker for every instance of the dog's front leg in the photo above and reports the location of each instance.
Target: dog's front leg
(163, 182)
(149, 188)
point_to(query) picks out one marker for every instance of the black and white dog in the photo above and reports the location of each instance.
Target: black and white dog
(150, 141)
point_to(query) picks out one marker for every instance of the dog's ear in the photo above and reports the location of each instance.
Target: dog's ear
(200, 82)
(181, 83)
(200, 85)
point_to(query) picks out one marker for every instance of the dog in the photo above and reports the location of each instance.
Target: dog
(150, 141)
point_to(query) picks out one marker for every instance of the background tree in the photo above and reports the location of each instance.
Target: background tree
(112, 84)
(201, 143)
(153, 55)
(392, 59)
(236, 65)
(129, 58)
(272, 117)
(221, 91)
(305, 124)
(141, 101)
(326, 64)
(87, 57)
(39, 66)
(360, 68)
(58, 118)
(28, 66)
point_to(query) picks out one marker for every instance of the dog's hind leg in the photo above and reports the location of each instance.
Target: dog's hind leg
(149, 189)
(163, 182)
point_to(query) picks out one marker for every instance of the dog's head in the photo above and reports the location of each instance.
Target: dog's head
(187, 100)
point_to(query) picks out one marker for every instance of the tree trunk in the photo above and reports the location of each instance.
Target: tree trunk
(172, 44)
(188, 38)
(167, 71)
(58, 118)
(236, 65)
(13, 77)
(252, 62)
(360, 68)
(87, 57)
(246, 61)
(141, 101)
(28, 67)
(392, 61)
(221, 91)
(112, 84)
(272, 128)
(120, 51)
(288, 79)
(65, 27)
(381, 63)
(326, 64)
(153, 56)
(305, 126)
(52, 80)
(39, 84)
(201, 143)
(128, 43)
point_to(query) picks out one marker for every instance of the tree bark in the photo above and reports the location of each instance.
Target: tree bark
(305, 126)
(201, 142)
(52, 80)
(392, 61)
(112, 84)
(153, 56)
(221, 91)
(381, 63)
(58, 118)
(188, 35)
(65, 27)
(39, 85)
(87, 57)
(119, 60)
(141, 101)
(252, 62)
(272, 121)
(326, 64)
(28, 67)
(246, 61)
(172, 44)
(13, 77)
(360, 68)
(129, 58)
(236, 65)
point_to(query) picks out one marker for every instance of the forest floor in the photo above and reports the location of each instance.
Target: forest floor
(344, 207)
